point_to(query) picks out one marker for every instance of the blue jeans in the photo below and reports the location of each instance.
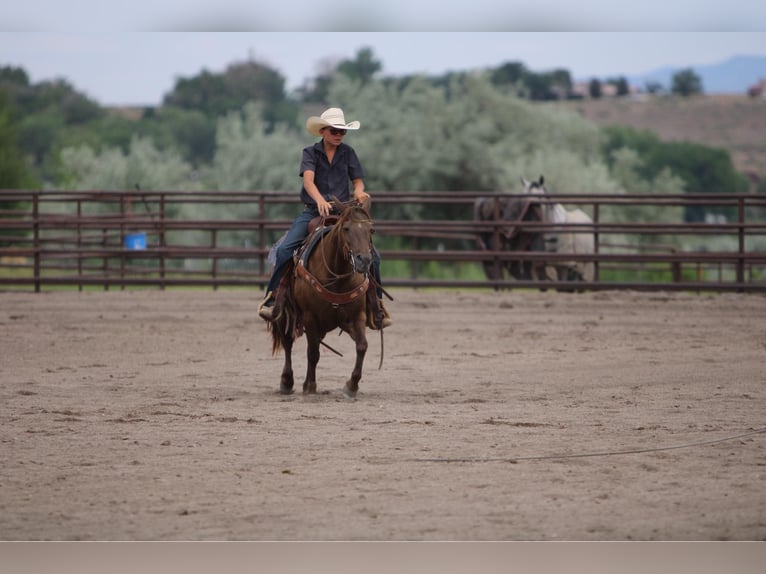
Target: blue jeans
(293, 240)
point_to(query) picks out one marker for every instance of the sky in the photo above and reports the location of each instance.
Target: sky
(133, 53)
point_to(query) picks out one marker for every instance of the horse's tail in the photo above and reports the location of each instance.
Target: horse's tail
(286, 327)
(277, 340)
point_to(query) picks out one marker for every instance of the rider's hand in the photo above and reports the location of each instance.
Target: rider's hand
(324, 207)
(361, 196)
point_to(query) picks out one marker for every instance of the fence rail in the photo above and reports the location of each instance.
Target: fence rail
(157, 239)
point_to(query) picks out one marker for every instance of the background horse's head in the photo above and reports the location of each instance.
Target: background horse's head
(534, 186)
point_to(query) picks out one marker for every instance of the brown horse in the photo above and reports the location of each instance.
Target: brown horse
(327, 289)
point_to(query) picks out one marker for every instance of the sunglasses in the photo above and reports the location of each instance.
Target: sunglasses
(337, 132)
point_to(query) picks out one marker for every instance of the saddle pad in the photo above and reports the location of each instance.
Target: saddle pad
(309, 243)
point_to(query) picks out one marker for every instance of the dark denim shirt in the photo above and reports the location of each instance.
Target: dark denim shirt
(332, 180)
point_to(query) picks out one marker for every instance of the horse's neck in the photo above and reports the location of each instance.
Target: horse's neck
(556, 213)
(330, 252)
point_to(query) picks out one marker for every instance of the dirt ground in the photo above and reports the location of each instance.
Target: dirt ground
(518, 415)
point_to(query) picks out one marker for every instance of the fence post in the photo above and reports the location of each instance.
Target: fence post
(36, 238)
(262, 236)
(596, 239)
(414, 266)
(123, 199)
(741, 260)
(162, 241)
(213, 245)
(105, 257)
(79, 245)
(496, 245)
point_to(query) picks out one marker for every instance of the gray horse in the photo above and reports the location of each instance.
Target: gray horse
(532, 207)
(565, 241)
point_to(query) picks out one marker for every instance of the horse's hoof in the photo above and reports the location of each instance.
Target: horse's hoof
(285, 390)
(350, 395)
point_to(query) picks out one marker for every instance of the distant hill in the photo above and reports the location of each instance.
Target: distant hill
(733, 122)
(732, 76)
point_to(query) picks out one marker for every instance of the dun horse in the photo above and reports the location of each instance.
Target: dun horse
(327, 289)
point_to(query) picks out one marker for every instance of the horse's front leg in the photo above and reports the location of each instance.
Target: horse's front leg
(286, 380)
(312, 356)
(360, 338)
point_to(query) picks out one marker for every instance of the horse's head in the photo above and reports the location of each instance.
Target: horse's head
(356, 229)
(534, 186)
(538, 210)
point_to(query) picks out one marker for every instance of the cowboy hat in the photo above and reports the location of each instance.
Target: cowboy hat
(332, 117)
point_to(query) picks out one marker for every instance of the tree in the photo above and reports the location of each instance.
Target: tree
(686, 83)
(703, 169)
(14, 172)
(621, 84)
(362, 68)
(594, 88)
(217, 94)
(508, 74)
(561, 82)
(540, 87)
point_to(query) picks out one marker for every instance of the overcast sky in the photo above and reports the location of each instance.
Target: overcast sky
(133, 52)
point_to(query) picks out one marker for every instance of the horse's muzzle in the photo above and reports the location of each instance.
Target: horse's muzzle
(361, 262)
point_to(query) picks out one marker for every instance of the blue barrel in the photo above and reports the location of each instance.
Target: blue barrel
(135, 241)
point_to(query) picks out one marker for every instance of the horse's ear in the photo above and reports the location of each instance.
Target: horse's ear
(367, 204)
(338, 205)
(525, 183)
(542, 180)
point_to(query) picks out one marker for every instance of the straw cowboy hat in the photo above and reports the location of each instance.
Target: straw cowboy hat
(333, 118)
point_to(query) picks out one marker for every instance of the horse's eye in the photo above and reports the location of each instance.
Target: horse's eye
(372, 232)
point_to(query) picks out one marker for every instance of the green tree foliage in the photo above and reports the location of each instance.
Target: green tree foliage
(362, 68)
(553, 85)
(627, 170)
(470, 136)
(14, 173)
(703, 169)
(686, 83)
(509, 74)
(56, 95)
(250, 157)
(217, 94)
(190, 132)
(144, 165)
(49, 111)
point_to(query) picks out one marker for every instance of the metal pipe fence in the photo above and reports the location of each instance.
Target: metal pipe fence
(161, 239)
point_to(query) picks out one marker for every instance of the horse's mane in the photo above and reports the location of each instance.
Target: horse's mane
(349, 207)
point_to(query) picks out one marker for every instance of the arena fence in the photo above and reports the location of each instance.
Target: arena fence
(161, 239)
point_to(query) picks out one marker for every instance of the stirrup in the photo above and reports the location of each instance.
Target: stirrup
(380, 318)
(266, 311)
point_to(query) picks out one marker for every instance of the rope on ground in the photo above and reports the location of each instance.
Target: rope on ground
(516, 459)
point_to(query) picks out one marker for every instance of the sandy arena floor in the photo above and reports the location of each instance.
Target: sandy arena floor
(148, 415)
